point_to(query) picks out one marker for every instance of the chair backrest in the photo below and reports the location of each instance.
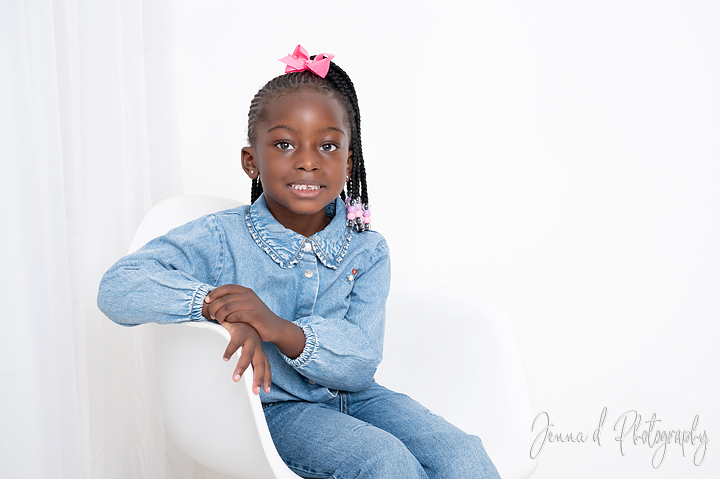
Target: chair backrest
(177, 211)
(456, 352)
(215, 421)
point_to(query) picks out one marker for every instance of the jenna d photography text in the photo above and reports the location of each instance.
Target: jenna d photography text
(629, 430)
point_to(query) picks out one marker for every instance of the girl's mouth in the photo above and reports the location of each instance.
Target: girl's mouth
(305, 190)
(306, 187)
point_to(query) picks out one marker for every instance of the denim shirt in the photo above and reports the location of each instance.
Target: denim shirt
(333, 285)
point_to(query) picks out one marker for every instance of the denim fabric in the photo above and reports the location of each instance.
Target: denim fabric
(327, 416)
(374, 433)
(333, 285)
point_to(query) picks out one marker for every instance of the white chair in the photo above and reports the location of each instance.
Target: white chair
(456, 352)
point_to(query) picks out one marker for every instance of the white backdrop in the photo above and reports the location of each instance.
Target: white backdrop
(561, 156)
(557, 155)
(87, 135)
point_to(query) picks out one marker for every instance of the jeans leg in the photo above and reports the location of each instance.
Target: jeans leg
(444, 450)
(317, 440)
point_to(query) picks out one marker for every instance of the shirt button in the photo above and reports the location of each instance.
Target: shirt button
(311, 381)
(308, 274)
(307, 247)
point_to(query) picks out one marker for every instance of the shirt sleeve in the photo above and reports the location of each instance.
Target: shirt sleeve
(344, 354)
(166, 280)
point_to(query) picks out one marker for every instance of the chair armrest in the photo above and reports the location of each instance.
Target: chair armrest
(216, 421)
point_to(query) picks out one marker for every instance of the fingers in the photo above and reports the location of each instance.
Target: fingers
(268, 376)
(262, 375)
(246, 354)
(236, 309)
(246, 339)
(224, 290)
(261, 372)
(232, 346)
(221, 307)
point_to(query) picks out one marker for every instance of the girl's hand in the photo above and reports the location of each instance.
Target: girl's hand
(245, 337)
(236, 304)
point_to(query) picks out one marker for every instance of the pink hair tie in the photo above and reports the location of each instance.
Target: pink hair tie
(300, 61)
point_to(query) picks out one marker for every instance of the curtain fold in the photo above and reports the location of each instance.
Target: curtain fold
(87, 135)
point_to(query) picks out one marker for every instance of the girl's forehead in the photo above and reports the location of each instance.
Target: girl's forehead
(304, 102)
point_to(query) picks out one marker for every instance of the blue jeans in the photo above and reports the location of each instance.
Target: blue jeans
(373, 433)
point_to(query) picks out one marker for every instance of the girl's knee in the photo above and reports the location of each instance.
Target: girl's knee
(468, 459)
(380, 454)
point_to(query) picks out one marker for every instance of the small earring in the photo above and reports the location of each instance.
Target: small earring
(252, 171)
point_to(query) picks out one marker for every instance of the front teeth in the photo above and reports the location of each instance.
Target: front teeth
(306, 187)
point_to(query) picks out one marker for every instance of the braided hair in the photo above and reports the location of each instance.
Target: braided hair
(338, 84)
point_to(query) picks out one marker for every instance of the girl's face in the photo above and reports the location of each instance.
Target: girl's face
(302, 157)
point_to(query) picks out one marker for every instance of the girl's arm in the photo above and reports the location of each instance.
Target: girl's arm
(336, 353)
(235, 304)
(344, 353)
(166, 280)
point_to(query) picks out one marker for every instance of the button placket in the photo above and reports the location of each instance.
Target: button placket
(309, 285)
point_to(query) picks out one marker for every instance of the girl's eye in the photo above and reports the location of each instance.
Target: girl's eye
(328, 147)
(284, 145)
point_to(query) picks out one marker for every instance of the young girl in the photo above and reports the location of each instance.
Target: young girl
(300, 282)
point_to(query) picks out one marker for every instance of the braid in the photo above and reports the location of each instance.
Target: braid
(337, 83)
(255, 190)
(357, 189)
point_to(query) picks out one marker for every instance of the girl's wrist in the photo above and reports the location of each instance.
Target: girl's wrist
(289, 339)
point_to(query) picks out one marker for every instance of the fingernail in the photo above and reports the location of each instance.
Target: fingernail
(207, 298)
(226, 359)
(237, 377)
(212, 317)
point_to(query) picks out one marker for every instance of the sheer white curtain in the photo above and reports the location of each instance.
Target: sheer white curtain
(86, 147)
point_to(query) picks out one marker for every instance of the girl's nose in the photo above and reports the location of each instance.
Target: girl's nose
(308, 160)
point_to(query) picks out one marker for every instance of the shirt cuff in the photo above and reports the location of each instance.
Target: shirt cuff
(308, 351)
(197, 302)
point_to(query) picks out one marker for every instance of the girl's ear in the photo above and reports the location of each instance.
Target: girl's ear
(349, 163)
(247, 158)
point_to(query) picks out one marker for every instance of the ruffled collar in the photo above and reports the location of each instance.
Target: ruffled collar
(286, 247)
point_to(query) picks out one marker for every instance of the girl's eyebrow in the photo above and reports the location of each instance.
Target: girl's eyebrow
(293, 130)
(283, 127)
(332, 128)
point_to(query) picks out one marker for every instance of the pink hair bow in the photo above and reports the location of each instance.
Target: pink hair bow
(300, 61)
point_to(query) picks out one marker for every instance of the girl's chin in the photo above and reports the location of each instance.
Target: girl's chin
(302, 202)
(306, 207)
